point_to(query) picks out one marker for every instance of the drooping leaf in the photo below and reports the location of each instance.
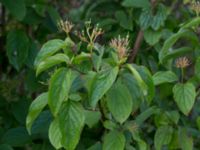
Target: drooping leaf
(55, 135)
(35, 109)
(173, 39)
(175, 53)
(59, 87)
(164, 77)
(114, 140)
(48, 49)
(119, 102)
(17, 8)
(162, 136)
(134, 88)
(139, 79)
(17, 46)
(148, 80)
(51, 61)
(184, 96)
(71, 123)
(101, 84)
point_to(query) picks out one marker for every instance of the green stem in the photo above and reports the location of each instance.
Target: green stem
(182, 75)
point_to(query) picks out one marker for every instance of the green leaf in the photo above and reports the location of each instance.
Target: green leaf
(101, 84)
(96, 146)
(17, 46)
(16, 8)
(48, 49)
(119, 102)
(197, 68)
(136, 3)
(145, 19)
(35, 109)
(145, 115)
(16, 137)
(134, 89)
(148, 80)
(137, 76)
(5, 147)
(55, 135)
(92, 118)
(51, 61)
(59, 87)
(186, 142)
(97, 56)
(184, 96)
(173, 39)
(71, 123)
(159, 18)
(124, 20)
(162, 136)
(152, 37)
(193, 23)
(164, 77)
(177, 53)
(114, 140)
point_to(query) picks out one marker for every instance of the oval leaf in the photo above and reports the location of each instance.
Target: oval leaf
(51, 61)
(164, 77)
(48, 49)
(114, 140)
(59, 87)
(119, 102)
(35, 109)
(71, 123)
(55, 134)
(184, 96)
(101, 84)
(163, 136)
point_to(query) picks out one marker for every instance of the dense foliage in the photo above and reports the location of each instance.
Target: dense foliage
(116, 75)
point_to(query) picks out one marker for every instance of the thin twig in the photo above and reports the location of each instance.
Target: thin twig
(139, 39)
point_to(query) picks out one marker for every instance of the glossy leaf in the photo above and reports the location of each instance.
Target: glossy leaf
(71, 123)
(114, 140)
(59, 87)
(48, 49)
(164, 77)
(119, 102)
(35, 109)
(101, 84)
(51, 61)
(184, 96)
(162, 136)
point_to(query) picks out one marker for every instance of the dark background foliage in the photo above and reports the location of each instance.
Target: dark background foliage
(27, 24)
